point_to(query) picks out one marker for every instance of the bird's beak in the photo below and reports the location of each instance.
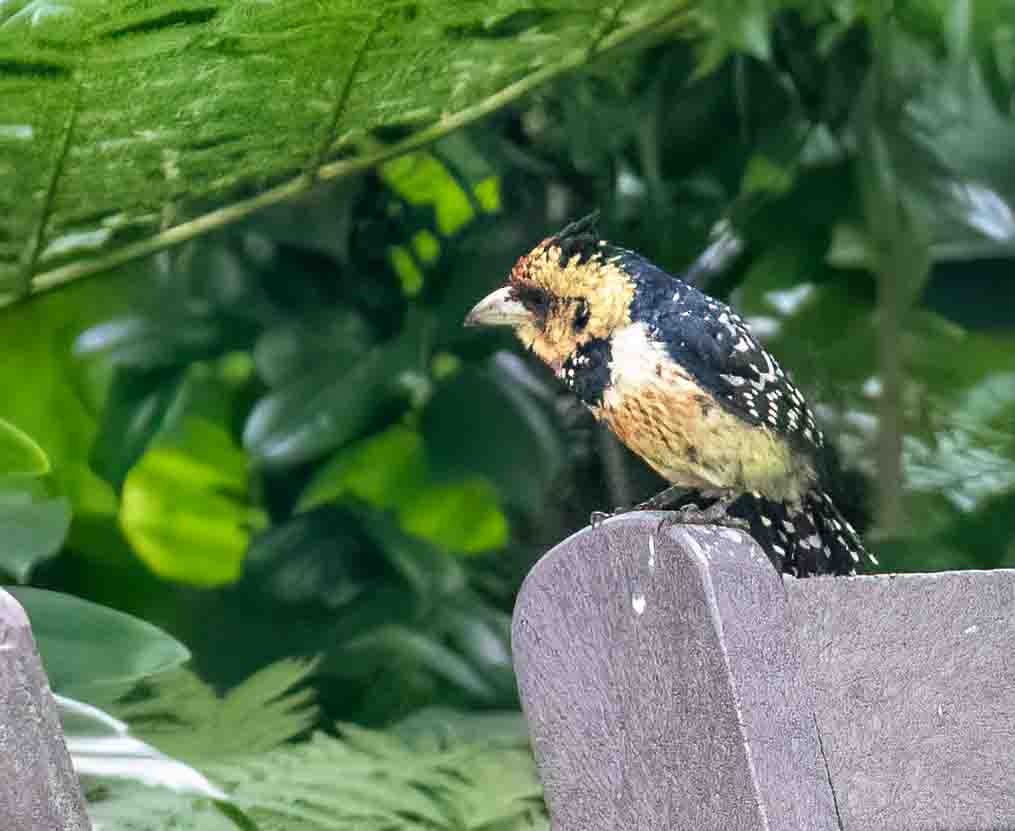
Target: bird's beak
(498, 309)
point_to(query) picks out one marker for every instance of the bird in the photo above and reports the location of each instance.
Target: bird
(678, 377)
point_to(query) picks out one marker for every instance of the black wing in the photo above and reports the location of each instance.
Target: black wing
(714, 344)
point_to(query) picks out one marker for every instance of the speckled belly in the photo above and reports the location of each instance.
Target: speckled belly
(690, 440)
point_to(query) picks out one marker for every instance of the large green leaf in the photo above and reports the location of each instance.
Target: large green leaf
(49, 395)
(185, 506)
(82, 643)
(114, 111)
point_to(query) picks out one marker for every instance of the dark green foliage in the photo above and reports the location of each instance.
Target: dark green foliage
(279, 444)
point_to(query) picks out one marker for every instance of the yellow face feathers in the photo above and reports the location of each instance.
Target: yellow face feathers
(570, 303)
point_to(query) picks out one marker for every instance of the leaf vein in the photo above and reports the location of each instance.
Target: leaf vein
(38, 237)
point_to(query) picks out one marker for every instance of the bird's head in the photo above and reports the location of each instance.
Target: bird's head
(569, 290)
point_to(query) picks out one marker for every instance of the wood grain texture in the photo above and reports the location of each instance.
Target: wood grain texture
(914, 677)
(661, 687)
(687, 686)
(38, 788)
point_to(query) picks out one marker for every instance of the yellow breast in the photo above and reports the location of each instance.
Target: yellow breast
(664, 416)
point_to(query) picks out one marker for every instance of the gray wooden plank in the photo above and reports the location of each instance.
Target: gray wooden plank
(38, 788)
(915, 695)
(660, 684)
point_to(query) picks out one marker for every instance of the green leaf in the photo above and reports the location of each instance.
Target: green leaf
(30, 531)
(19, 454)
(461, 517)
(82, 643)
(389, 471)
(205, 106)
(327, 406)
(135, 410)
(733, 26)
(45, 389)
(382, 470)
(185, 506)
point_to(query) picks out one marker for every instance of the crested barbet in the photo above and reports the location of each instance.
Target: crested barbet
(680, 379)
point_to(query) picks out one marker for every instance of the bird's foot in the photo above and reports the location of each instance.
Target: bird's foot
(715, 514)
(597, 518)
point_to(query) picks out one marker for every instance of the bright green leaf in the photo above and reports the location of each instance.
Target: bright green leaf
(51, 394)
(82, 643)
(185, 507)
(381, 470)
(463, 517)
(421, 179)
(389, 471)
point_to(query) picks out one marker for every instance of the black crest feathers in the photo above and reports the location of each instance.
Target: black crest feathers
(579, 237)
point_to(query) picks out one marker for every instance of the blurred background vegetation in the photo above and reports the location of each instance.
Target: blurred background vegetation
(276, 443)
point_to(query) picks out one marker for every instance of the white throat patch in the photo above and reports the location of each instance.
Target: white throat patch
(637, 361)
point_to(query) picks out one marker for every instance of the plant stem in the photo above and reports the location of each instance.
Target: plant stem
(890, 326)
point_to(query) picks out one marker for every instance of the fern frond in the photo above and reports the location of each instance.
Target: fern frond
(365, 780)
(183, 716)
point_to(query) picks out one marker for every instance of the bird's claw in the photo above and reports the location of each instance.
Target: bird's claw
(713, 515)
(597, 518)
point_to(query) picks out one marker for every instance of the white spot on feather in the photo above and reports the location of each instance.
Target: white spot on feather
(638, 603)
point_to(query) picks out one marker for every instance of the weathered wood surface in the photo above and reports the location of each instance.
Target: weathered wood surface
(914, 680)
(38, 788)
(682, 684)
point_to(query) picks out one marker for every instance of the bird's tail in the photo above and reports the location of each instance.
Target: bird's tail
(807, 538)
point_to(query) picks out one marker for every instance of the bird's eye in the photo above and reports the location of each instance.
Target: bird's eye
(581, 316)
(532, 297)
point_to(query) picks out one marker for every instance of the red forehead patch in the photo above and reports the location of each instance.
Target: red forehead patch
(519, 272)
(520, 267)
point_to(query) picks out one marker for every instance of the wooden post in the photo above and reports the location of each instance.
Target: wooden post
(672, 680)
(662, 688)
(38, 788)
